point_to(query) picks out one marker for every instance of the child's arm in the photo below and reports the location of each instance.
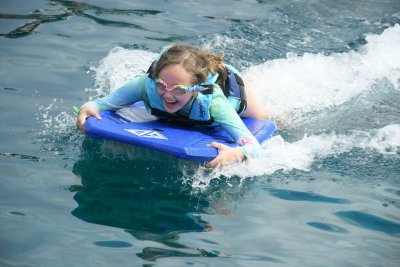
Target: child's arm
(224, 114)
(131, 92)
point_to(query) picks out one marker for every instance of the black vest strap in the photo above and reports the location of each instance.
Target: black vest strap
(178, 119)
(150, 69)
(234, 86)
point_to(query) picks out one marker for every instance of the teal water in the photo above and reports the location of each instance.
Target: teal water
(325, 193)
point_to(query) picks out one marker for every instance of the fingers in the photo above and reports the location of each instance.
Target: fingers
(79, 123)
(219, 159)
(226, 155)
(83, 115)
(96, 115)
(214, 163)
(218, 146)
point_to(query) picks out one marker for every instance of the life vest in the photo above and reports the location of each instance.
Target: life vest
(199, 112)
(233, 88)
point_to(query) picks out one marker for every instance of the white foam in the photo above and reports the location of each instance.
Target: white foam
(55, 122)
(58, 128)
(386, 141)
(118, 67)
(279, 155)
(300, 84)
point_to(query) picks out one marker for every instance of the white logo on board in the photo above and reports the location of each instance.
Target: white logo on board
(147, 134)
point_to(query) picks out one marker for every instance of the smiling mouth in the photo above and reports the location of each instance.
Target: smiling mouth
(170, 101)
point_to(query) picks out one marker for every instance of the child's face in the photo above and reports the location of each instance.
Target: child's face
(175, 75)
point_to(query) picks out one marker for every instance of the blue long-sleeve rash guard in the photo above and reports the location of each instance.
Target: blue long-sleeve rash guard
(220, 110)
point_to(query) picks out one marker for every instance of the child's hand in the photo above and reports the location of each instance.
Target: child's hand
(83, 115)
(226, 155)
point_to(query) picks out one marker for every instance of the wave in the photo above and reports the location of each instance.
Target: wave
(280, 155)
(118, 67)
(294, 85)
(294, 88)
(297, 85)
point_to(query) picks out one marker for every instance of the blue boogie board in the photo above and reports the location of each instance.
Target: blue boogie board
(134, 126)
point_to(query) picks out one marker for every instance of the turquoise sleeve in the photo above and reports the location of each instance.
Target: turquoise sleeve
(224, 115)
(130, 93)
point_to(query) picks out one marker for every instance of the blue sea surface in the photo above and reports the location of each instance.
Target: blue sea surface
(326, 191)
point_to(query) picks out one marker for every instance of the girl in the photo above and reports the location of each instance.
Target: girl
(191, 86)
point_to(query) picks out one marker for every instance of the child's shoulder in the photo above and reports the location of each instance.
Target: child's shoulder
(231, 68)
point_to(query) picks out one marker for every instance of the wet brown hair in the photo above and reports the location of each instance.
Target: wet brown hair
(195, 61)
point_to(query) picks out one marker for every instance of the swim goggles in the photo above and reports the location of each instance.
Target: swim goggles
(180, 89)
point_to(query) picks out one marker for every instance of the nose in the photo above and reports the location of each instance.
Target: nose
(168, 94)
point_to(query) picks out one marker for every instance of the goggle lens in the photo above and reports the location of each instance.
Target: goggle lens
(161, 86)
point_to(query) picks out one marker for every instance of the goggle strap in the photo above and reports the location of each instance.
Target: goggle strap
(203, 88)
(207, 88)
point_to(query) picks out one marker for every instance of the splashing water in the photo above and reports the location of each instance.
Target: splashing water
(292, 88)
(58, 129)
(300, 84)
(296, 83)
(298, 87)
(118, 67)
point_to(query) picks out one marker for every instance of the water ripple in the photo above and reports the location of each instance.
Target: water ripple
(73, 8)
(151, 253)
(113, 244)
(305, 196)
(20, 156)
(327, 227)
(369, 221)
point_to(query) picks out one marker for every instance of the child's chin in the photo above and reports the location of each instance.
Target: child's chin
(171, 108)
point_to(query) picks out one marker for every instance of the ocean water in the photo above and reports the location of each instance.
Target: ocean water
(326, 191)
